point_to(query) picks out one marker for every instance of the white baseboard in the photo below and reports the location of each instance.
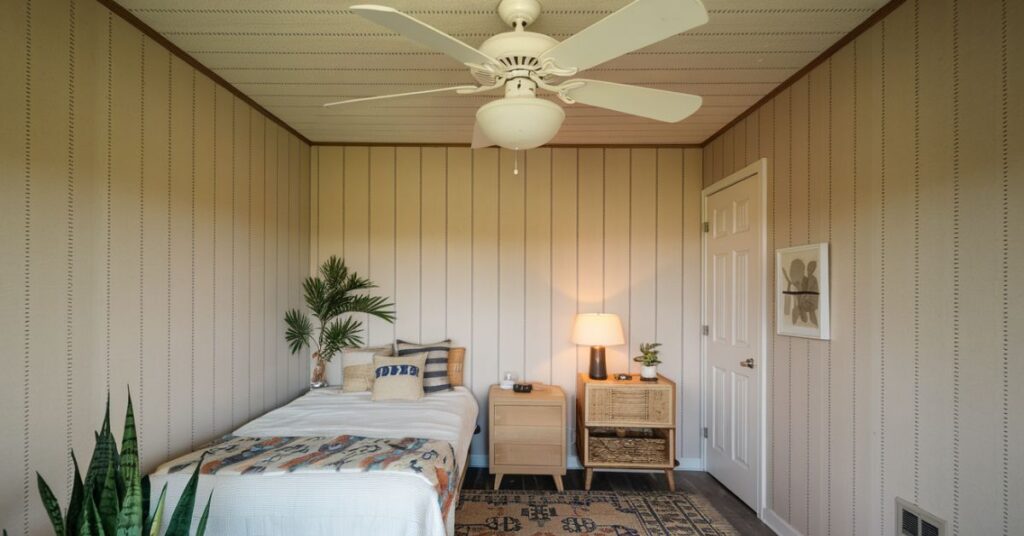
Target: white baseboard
(573, 462)
(779, 525)
(690, 464)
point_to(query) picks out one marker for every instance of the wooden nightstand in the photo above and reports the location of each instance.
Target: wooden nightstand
(527, 432)
(626, 424)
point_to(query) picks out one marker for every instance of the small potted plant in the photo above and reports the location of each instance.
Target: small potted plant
(649, 358)
(331, 297)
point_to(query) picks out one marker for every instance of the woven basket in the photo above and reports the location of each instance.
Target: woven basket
(628, 446)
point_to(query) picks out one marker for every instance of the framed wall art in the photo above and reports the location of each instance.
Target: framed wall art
(801, 291)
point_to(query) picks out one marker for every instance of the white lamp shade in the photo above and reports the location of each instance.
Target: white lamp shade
(598, 329)
(520, 123)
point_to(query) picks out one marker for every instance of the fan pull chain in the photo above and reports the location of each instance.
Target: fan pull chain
(515, 166)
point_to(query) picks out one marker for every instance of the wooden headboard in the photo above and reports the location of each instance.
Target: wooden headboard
(456, 360)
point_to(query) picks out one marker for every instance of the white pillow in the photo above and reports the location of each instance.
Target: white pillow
(398, 378)
(357, 367)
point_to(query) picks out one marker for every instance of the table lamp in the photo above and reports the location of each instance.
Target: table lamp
(598, 330)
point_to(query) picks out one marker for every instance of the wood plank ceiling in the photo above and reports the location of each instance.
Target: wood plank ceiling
(293, 55)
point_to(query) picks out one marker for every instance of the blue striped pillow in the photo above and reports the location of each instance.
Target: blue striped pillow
(435, 372)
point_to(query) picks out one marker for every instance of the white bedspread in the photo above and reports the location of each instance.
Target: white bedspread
(376, 502)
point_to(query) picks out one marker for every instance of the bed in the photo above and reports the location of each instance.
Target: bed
(354, 502)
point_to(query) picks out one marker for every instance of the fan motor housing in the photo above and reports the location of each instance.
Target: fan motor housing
(521, 44)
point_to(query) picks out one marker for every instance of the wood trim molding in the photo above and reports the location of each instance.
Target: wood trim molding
(882, 12)
(123, 12)
(548, 146)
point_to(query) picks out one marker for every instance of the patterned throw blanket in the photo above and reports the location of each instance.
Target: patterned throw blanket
(430, 459)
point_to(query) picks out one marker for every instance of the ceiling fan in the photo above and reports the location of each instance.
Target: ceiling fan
(522, 62)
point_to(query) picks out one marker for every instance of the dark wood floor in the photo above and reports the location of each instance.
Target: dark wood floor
(694, 482)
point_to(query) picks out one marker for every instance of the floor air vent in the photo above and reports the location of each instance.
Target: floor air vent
(913, 521)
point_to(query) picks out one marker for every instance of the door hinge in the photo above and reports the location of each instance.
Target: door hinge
(707, 227)
(705, 330)
(705, 432)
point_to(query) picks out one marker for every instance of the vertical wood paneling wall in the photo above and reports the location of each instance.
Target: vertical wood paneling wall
(154, 228)
(501, 263)
(904, 152)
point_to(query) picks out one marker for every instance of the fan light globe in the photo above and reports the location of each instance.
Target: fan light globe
(520, 123)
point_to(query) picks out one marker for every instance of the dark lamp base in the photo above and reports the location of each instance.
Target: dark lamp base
(598, 369)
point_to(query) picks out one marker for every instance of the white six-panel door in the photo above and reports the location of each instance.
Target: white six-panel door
(732, 290)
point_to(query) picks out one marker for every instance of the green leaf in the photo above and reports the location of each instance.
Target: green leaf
(201, 529)
(115, 462)
(153, 525)
(373, 305)
(85, 529)
(334, 271)
(101, 457)
(354, 282)
(318, 297)
(181, 519)
(300, 330)
(91, 526)
(110, 504)
(146, 496)
(51, 505)
(129, 519)
(76, 507)
(340, 334)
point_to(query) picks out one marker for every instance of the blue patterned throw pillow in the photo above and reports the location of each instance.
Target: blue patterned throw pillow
(398, 378)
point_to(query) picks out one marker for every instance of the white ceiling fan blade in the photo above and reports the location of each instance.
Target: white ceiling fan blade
(410, 94)
(637, 25)
(657, 104)
(479, 139)
(422, 33)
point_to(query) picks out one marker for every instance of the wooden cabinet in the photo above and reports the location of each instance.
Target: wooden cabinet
(626, 424)
(527, 432)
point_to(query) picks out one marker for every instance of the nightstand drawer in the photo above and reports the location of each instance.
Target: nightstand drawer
(522, 454)
(532, 435)
(528, 415)
(629, 406)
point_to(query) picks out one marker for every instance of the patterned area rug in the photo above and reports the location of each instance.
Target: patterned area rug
(617, 513)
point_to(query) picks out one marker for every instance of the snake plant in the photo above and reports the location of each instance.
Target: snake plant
(113, 500)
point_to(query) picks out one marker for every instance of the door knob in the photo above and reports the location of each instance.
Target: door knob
(749, 363)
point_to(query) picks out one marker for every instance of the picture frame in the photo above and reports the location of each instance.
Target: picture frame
(802, 291)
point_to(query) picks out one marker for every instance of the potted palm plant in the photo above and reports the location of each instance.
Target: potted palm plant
(649, 358)
(330, 296)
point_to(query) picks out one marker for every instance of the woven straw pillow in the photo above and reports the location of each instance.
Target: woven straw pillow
(357, 367)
